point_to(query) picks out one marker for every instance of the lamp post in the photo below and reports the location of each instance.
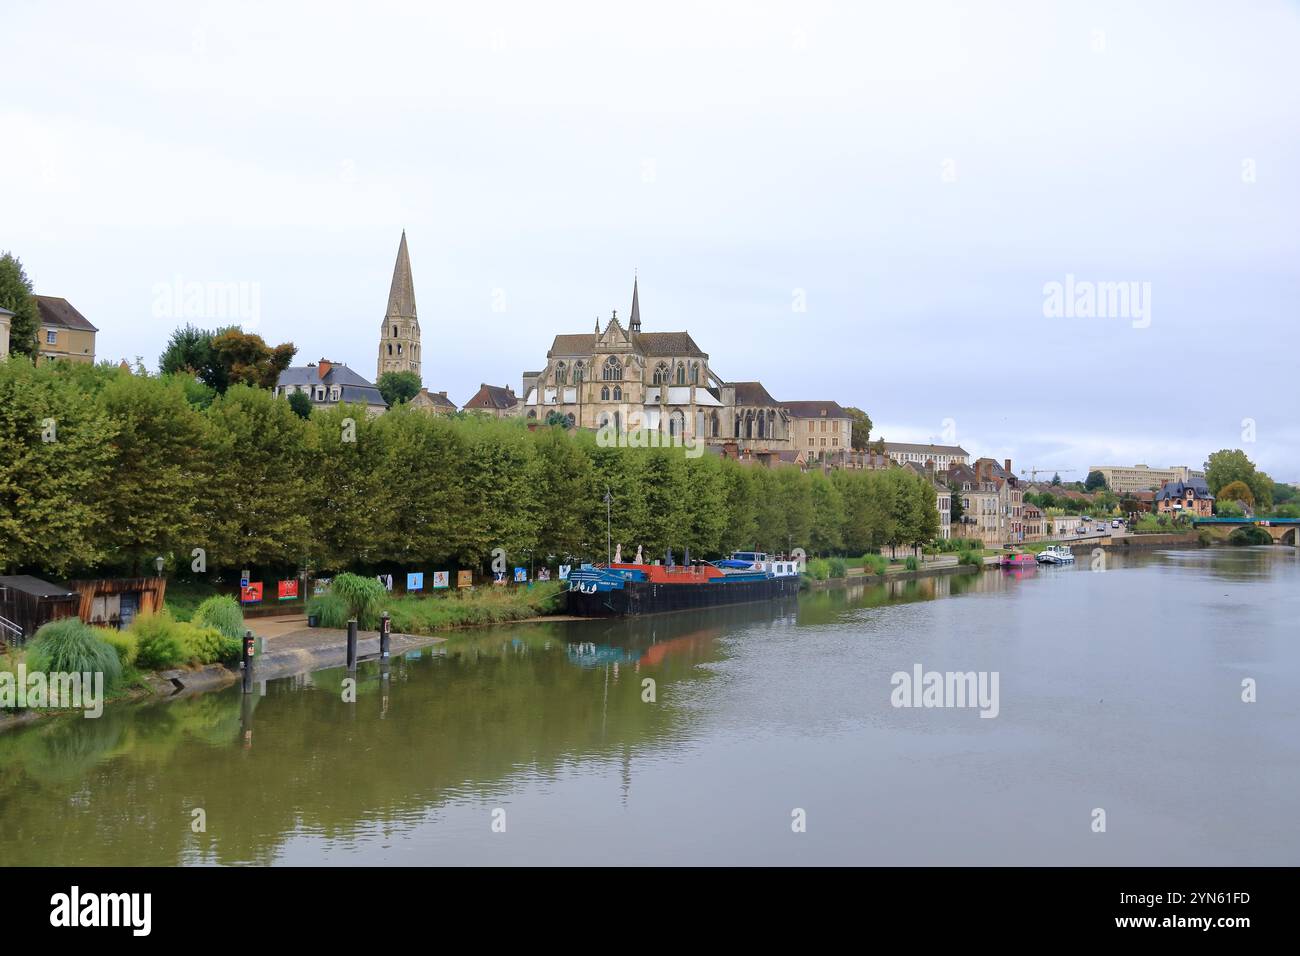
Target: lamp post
(158, 563)
(609, 549)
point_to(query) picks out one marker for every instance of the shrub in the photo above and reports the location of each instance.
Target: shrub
(838, 568)
(330, 610)
(819, 569)
(69, 646)
(159, 641)
(911, 563)
(208, 645)
(969, 557)
(875, 563)
(124, 644)
(222, 612)
(363, 597)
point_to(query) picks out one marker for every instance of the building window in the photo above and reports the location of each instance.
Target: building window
(618, 393)
(604, 393)
(394, 331)
(661, 374)
(612, 372)
(695, 373)
(390, 348)
(51, 337)
(577, 374)
(681, 374)
(334, 393)
(561, 374)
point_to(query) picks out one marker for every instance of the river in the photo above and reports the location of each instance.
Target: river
(771, 738)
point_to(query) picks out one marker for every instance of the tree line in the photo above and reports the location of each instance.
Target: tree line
(102, 470)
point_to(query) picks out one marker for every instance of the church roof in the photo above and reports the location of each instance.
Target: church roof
(753, 393)
(634, 321)
(815, 409)
(401, 294)
(647, 343)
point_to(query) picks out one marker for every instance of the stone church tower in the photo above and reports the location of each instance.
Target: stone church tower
(399, 337)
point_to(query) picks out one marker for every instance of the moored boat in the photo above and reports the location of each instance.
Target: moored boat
(1017, 559)
(1056, 554)
(620, 589)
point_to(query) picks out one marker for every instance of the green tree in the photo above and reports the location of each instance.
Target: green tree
(16, 296)
(826, 534)
(705, 506)
(861, 435)
(189, 351)
(1236, 491)
(300, 404)
(1231, 464)
(426, 459)
(563, 493)
(1094, 481)
(354, 507)
(1056, 479)
(398, 386)
(245, 358)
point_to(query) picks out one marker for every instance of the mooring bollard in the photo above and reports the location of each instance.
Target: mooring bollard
(250, 645)
(352, 644)
(385, 631)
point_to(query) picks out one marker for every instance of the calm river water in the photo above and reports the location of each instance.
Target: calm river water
(1119, 691)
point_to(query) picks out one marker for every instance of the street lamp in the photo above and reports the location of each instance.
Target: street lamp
(158, 563)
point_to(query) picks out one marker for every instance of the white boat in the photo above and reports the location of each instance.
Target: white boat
(1056, 554)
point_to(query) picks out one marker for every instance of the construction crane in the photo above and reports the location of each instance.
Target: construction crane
(1033, 473)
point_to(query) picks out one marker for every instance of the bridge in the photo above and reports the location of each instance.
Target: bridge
(1281, 530)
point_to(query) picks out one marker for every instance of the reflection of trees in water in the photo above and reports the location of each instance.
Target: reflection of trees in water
(461, 721)
(1228, 563)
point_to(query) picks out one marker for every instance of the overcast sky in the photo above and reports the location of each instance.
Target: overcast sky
(856, 204)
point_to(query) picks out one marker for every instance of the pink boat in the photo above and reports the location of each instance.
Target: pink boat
(1019, 559)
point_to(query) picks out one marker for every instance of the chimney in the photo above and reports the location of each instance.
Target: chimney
(1007, 465)
(323, 368)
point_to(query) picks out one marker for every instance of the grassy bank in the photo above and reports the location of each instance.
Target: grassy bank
(353, 596)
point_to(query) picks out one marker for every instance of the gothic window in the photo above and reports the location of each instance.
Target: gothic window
(661, 374)
(561, 374)
(399, 348)
(737, 426)
(394, 331)
(390, 348)
(771, 424)
(613, 371)
(676, 425)
(695, 373)
(762, 425)
(578, 375)
(715, 426)
(604, 393)
(618, 393)
(681, 374)
(602, 419)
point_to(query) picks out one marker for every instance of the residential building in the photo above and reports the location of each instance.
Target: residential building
(436, 403)
(1010, 499)
(1125, 478)
(1065, 526)
(399, 334)
(329, 383)
(1185, 497)
(1033, 522)
(820, 429)
(64, 332)
(497, 401)
(981, 504)
(6, 322)
(941, 456)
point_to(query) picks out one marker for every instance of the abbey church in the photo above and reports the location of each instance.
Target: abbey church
(399, 335)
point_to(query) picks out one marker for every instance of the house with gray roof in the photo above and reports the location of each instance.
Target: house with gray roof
(329, 383)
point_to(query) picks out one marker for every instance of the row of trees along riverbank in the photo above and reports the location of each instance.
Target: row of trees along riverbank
(102, 470)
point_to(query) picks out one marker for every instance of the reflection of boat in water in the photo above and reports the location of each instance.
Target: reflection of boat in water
(598, 655)
(1017, 559)
(630, 589)
(1056, 554)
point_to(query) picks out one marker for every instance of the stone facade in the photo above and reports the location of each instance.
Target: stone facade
(64, 332)
(1126, 478)
(822, 430)
(6, 320)
(399, 334)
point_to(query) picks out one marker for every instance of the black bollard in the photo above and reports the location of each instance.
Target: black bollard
(352, 644)
(250, 645)
(385, 631)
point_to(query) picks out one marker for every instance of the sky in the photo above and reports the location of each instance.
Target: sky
(863, 202)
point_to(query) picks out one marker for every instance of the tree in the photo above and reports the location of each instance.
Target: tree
(398, 386)
(1056, 479)
(300, 404)
(955, 509)
(225, 357)
(826, 533)
(16, 296)
(1094, 481)
(1231, 464)
(563, 493)
(1236, 491)
(189, 351)
(861, 435)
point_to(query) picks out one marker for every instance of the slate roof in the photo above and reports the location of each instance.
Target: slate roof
(902, 446)
(353, 387)
(34, 586)
(753, 393)
(493, 396)
(60, 314)
(647, 343)
(1178, 489)
(815, 409)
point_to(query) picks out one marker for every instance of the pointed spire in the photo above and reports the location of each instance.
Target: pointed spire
(401, 294)
(634, 324)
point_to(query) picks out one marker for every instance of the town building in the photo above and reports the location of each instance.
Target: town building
(1190, 497)
(436, 403)
(1125, 478)
(399, 334)
(1035, 530)
(1065, 526)
(497, 401)
(940, 455)
(329, 383)
(64, 333)
(980, 498)
(6, 323)
(822, 430)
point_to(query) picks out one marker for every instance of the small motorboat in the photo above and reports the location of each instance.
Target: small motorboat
(1017, 559)
(1056, 554)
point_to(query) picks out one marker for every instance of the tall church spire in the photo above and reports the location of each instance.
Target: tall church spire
(634, 323)
(399, 333)
(401, 294)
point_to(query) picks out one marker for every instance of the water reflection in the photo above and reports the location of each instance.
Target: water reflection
(489, 715)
